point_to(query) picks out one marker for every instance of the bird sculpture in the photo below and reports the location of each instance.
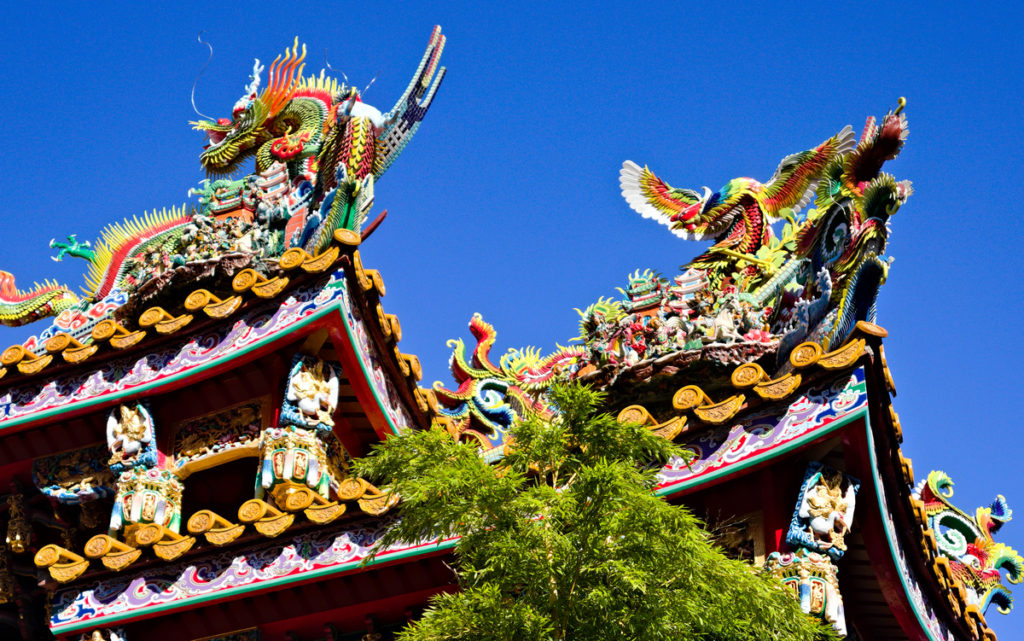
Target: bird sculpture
(737, 216)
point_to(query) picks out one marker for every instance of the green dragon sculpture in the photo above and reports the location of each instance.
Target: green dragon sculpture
(489, 398)
(975, 558)
(318, 149)
(20, 308)
(334, 145)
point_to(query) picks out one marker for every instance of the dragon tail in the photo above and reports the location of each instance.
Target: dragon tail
(121, 240)
(20, 308)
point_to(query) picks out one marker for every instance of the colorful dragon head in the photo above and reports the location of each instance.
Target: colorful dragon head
(254, 120)
(847, 233)
(976, 559)
(490, 398)
(318, 149)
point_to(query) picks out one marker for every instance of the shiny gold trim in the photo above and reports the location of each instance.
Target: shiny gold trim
(377, 504)
(293, 497)
(396, 327)
(120, 338)
(64, 572)
(367, 278)
(322, 261)
(217, 530)
(244, 280)
(293, 258)
(171, 549)
(890, 384)
(908, 470)
(63, 564)
(162, 321)
(689, 397)
(118, 561)
(199, 299)
(871, 329)
(377, 280)
(779, 388)
(250, 280)
(805, 355)
(172, 325)
(255, 509)
(843, 357)
(347, 237)
(894, 417)
(274, 525)
(324, 514)
(382, 320)
(719, 413)
(429, 396)
(270, 288)
(166, 543)
(670, 428)
(142, 535)
(352, 488)
(256, 512)
(12, 355)
(105, 329)
(79, 354)
(35, 365)
(636, 414)
(747, 375)
(223, 536)
(60, 342)
(114, 554)
(102, 544)
(402, 364)
(415, 368)
(213, 307)
(357, 264)
(127, 340)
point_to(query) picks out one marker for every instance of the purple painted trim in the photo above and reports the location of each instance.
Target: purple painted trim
(37, 399)
(124, 598)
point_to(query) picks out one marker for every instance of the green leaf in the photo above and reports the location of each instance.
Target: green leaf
(565, 540)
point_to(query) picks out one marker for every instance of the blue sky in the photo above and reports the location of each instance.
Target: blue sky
(507, 202)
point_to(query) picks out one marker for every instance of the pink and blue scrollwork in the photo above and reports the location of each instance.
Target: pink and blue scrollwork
(308, 555)
(120, 377)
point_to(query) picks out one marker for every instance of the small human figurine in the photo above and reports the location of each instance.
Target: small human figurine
(824, 512)
(825, 508)
(129, 435)
(312, 394)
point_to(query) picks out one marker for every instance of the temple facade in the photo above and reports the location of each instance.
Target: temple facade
(175, 444)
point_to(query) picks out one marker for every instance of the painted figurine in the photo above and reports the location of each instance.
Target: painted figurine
(824, 511)
(311, 396)
(130, 437)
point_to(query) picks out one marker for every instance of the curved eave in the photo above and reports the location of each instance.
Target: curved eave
(342, 304)
(918, 576)
(197, 584)
(926, 601)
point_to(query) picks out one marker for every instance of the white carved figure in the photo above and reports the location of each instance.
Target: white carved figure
(828, 510)
(129, 431)
(314, 390)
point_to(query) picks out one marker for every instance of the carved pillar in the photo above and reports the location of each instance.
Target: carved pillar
(303, 464)
(147, 503)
